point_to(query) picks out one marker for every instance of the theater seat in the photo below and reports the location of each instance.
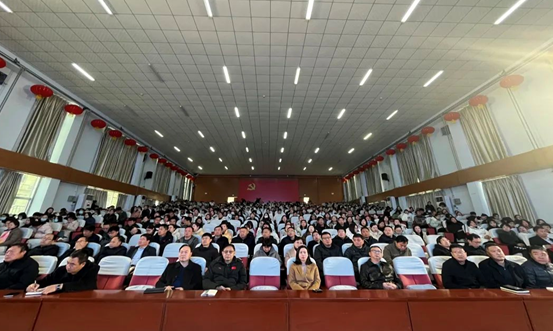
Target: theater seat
(495, 237)
(289, 264)
(171, 252)
(147, 272)
(201, 261)
(435, 264)
(339, 274)
(258, 247)
(264, 274)
(27, 234)
(46, 265)
(416, 250)
(345, 247)
(477, 259)
(63, 262)
(242, 253)
(412, 272)
(134, 239)
(516, 258)
(113, 271)
(63, 247)
(95, 247)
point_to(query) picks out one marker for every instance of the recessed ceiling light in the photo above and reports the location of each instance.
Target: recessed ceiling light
(250, 159)
(304, 168)
(330, 169)
(509, 11)
(309, 161)
(297, 76)
(351, 150)
(243, 134)
(279, 160)
(201, 134)
(410, 11)
(285, 134)
(316, 150)
(226, 168)
(200, 167)
(247, 150)
(6, 8)
(176, 148)
(433, 78)
(365, 77)
(253, 168)
(189, 159)
(158, 133)
(278, 168)
(105, 6)
(282, 150)
(309, 9)
(211, 148)
(208, 8)
(236, 112)
(81, 70)
(289, 113)
(227, 77)
(367, 136)
(220, 160)
(391, 115)
(341, 113)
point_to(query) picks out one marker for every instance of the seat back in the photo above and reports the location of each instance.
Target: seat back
(46, 264)
(63, 262)
(242, 253)
(171, 251)
(62, 248)
(258, 247)
(381, 245)
(32, 243)
(148, 270)
(208, 228)
(411, 271)
(27, 233)
(134, 239)
(264, 271)
(435, 263)
(338, 271)
(416, 250)
(201, 261)
(308, 239)
(345, 247)
(432, 238)
(430, 249)
(287, 248)
(156, 246)
(413, 238)
(113, 270)
(235, 223)
(362, 261)
(95, 247)
(332, 232)
(526, 237)
(477, 259)
(493, 232)
(516, 259)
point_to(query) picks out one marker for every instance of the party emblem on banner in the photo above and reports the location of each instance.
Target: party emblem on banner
(251, 187)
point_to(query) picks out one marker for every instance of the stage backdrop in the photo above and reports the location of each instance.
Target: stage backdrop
(268, 189)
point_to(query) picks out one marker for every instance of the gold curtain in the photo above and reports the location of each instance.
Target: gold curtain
(507, 197)
(9, 184)
(40, 134)
(115, 160)
(482, 135)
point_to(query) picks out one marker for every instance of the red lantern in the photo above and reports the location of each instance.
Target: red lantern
(154, 156)
(452, 117)
(401, 146)
(2, 63)
(98, 124)
(174, 167)
(372, 163)
(41, 91)
(130, 142)
(168, 164)
(74, 110)
(478, 101)
(413, 139)
(356, 172)
(142, 149)
(115, 134)
(512, 81)
(428, 130)
(162, 161)
(344, 180)
(390, 152)
(379, 158)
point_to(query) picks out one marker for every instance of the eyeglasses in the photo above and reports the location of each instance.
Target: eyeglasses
(228, 252)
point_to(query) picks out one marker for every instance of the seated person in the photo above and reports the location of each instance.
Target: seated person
(182, 274)
(538, 269)
(218, 237)
(245, 237)
(459, 273)
(341, 238)
(474, 245)
(293, 251)
(78, 275)
(12, 235)
(304, 274)
(315, 241)
(47, 246)
(267, 250)
(163, 237)
(397, 248)
(266, 233)
(387, 236)
(498, 271)
(289, 239)
(88, 232)
(206, 249)
(114, 248)
(398, 230)
(324, 250)
(81, 244)
(142, 250)
(226, 272)
(189, 237)
(542, 239)
(18, 270)
(368, 237)
(113, 231)
(442, 247)
(377, 274)
(510, 238)
(356, 251)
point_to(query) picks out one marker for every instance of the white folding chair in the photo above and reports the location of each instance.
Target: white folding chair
(332, 232)
(62, 248)
(113, 271)
(95, 248)
(435, 263)
(171, 251)
(147, 273)
(381, 245)
(416, 250)
(264, 274)
(432, 238)
(339, 274)
(241, 251)
(32, 243)
(412, 273)
(134, 240)
(413, 238)
(156, 246)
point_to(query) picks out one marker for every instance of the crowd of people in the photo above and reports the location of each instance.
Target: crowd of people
(305, 234)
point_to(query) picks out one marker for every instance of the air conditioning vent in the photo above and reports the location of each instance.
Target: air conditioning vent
(445, 130)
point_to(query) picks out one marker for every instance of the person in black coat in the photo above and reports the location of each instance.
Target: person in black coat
(474, 245)
(206, 249)
(18, 270)
(325, 250)
(182, 274)
(378, 274)
(47, 247)
(78, 275)
(245, 237)
(459, 273)
(498, 271)
(289, 239)
(81, 245)
(114, 248)
(88, 232)
(510, 238)
(341, 238)
(163, 237)
(142, 250)
(387, 236)
(542, 239)
(226, 272)
(538, 268)
(442, 247)
(457, 228)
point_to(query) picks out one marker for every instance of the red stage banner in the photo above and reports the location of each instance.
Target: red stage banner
(268, 189)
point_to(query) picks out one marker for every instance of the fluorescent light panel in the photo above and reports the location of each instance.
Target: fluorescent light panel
(200, 167)
(351, 150)
(220, 160)
(250, 159)
(367, 136)
(247, 150)
(391, 115)
(282, 150)
(366, 77)
(509, 11)
(310, 4)
(201, 134)
(285, 134)
(189, 159)
(158, 133)
(279, 160)
(341, 113)
(176, 148)
(208, 8)
(105, 6)
(81, 70)
(309, 161)
(227, 77)
(289, 113)
(304, 168)
(278, 168)
(316, 150)
(297, 76)
(236, 112)
(253, 168)
(410, 10)
(330, 169)
(438, 74)
(211, 148)
(243, 134)
(7, 9)
(226, 168)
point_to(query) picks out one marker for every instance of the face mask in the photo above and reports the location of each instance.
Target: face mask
(81, 213)
(2, 218)
(44, 219)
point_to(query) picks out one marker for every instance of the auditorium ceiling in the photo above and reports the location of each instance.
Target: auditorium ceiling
(158, 65)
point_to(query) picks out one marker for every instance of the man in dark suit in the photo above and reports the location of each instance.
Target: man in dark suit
(542, 239)
(146, 212)
(47, 247)
(142, 250)
(182, 274)
(163, 237)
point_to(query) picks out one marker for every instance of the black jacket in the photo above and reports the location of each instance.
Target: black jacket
(339, 241)
(509, 238)
(535, 240)
(222, 241)
(108, 251)
(474, 251)
(93, 239)
(51, 250)
(456, 276)
(19, 274)
(440, 250)
(209, 254)
(496, 276)
(148, 251)
(310, 246)
(322, 252)
(457, 230)
(259, 241)
(163, 241)
(370, 241)
(538, 275)
(84, 280)
(283, 242)
(354, 254)
(385, 239)
(373, 276)
(231, 275)
(192, 276)
(249, 241)
(68, 252)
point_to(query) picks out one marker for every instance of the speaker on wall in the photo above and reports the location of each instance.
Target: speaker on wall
(385, 177)
(148, 175)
